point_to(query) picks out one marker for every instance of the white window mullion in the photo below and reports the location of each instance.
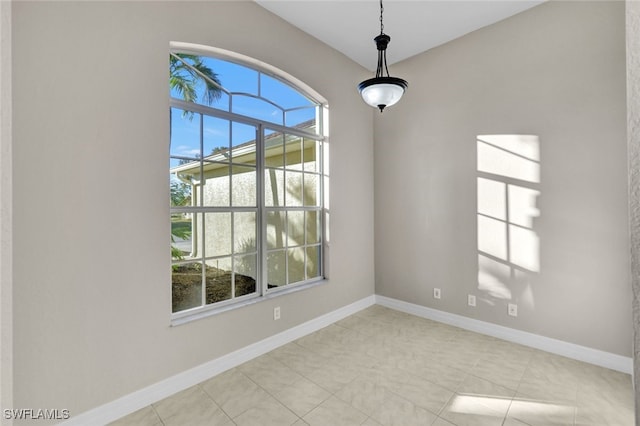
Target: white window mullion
(286, 236)
(233, 255)
(262, 275)
(203, 261)
(202, 219)
(321, 212)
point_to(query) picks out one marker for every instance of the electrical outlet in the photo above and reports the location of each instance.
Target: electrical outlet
(513, 310)
(276, 313)
(471, 300)
(436, 293)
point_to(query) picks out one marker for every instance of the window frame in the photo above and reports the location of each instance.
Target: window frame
(262, 251)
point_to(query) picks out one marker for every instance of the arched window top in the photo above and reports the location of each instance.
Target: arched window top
(248, 147)
(237, 84)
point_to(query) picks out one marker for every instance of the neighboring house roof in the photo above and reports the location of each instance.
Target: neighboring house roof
(220, 156)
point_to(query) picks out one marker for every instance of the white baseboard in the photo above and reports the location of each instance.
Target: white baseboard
(132, 402)
(558, 347)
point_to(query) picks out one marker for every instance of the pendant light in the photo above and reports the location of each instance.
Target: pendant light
(382, 91)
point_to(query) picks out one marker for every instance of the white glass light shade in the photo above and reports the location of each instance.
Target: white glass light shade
(382, 92)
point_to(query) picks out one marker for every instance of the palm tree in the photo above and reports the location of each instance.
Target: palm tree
(186, 71)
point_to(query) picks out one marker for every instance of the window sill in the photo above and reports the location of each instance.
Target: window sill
(208, 311)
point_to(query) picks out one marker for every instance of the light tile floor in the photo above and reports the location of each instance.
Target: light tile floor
(383, 367)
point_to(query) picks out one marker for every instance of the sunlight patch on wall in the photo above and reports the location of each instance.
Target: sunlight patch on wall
(493, 278)
(492, 237)
(508, 181)
(513, 156)
(491, 200)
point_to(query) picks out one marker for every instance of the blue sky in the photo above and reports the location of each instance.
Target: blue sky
(185, 131)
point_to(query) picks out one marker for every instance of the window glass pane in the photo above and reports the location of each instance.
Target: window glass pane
(223, 102)
(186, 286)
(218, 279)
(274, 188)
(313, 262)
(185, 181)
(275, 229)
(295, 264)
(243, 186)
(215, 138)
(195, 249)
(310, 155)
(295, 228)
(294, 188)
(244, 232)
(274, 150)
(192, 78)
(281, 93)
(185, 135)
(217, 234)
(234, 77)
(243, 143)
(216, 189)
(245, 274)
(326, 164)
(312, 227)
(311, 189)
(256, 108)
(181, 192)
(181, 236)
(182, 181)
(276, 269)
(304, 119)
(293, 152)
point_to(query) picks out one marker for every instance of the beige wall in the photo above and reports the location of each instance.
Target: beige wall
(6, 262)
(92, 277)
(633, 135)
(546, 90)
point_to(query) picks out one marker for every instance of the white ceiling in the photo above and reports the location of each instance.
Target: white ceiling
(415, 26)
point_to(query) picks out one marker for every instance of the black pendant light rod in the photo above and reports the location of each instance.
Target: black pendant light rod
(382, 41)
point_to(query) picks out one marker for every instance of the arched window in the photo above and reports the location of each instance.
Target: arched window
(247, 180)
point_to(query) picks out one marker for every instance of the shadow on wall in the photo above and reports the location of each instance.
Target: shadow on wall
(508, 186)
